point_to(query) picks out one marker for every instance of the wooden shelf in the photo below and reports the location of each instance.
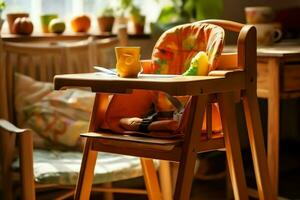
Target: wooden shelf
(67, 36)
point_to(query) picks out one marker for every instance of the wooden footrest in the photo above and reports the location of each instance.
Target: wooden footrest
(131, 138)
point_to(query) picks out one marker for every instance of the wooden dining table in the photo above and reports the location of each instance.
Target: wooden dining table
(278, 77)
(278, 71)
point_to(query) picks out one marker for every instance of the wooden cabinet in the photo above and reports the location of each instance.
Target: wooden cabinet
(290, 80)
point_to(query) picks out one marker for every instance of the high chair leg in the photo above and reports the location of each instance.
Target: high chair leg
(185, 177)
(85, 179)
(151, 179)
(189, 151)
(166, 180)
(232, 144)
(256, 140)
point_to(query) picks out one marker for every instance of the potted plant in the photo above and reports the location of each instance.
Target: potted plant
(122, 12)
(137, 19)
(106, 20)
(183, 11)
(2, 6)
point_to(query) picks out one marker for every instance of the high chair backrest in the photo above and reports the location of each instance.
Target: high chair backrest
(176, 47)
(167, 47)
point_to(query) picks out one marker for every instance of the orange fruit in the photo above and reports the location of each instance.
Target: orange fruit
(81, 23)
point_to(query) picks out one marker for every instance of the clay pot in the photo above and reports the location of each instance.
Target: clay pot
(45, 21)
(11, 17)
(105, 23)
(138, 24)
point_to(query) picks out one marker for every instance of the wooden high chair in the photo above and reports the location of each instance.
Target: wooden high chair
(235, 80)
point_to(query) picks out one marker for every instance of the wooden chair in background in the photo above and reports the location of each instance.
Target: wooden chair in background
(233, 81)
(42, 61)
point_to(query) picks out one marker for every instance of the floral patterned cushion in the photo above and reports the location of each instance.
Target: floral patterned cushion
(56, 117)
(60, 117)
(58, 167)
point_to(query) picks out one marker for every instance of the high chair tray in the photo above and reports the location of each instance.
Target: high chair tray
(104, 71)
(140, 76)
(178, 85)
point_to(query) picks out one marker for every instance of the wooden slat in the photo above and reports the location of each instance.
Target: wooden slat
(149, 151)
(211, 144)
(120, 190)
(98, 188)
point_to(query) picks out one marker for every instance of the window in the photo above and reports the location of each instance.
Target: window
(66, 9)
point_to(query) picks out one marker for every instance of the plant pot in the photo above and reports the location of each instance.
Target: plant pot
(45, 21)
(11, 17)
(138, 24)
(105, 23)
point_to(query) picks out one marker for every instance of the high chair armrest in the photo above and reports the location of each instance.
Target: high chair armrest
(226, 73)
(6, 125)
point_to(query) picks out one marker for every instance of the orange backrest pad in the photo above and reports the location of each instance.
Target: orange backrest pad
(176, 47)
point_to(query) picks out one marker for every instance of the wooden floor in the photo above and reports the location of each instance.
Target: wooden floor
(216, 189)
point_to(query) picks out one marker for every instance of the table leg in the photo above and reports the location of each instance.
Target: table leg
(273, 121)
